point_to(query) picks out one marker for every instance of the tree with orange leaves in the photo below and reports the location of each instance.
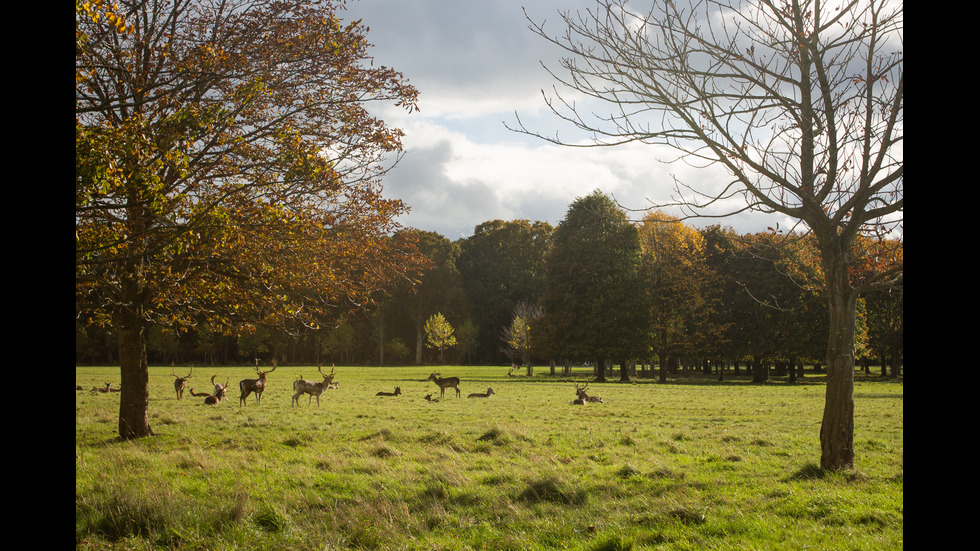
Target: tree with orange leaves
(227, 171)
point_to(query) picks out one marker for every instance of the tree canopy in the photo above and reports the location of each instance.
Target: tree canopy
(227, 171)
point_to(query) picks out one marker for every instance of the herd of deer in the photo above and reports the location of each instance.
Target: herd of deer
(302, 386)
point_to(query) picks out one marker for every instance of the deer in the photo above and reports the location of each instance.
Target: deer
(180, 382)
(101, 389)
(301, 386)
(579, 402)
(444, 383)
(398, 391)
(486, 394)
(429, 398)
(219, 393)
(580, 392)
(248, 386)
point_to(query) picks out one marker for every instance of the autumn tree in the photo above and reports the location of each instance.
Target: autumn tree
(800, 101)
(517, 337)
(439, 334)
(678, 285)
(227, 171)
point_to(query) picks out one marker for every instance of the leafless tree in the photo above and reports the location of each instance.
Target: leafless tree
(799, 101)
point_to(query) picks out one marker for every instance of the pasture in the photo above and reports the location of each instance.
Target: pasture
(690, 464)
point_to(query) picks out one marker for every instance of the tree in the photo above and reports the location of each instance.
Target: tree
(439, 334)
(438, 288)
(502, 265)
(593, 307)
(801, 102)
(518, 343)
(677, 284)
(227, 172)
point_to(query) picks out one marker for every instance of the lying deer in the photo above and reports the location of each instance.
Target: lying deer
(302, 386)
(397, 391)
(430, 398)
(219, 393)
(248, 386)
(101, 389)
(486, 394)
(444, 383)
(580, 392)
(180, 382)
(579, 402)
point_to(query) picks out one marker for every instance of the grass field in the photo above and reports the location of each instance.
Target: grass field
(689, 464)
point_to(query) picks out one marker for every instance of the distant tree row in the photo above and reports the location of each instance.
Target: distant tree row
(599, 288)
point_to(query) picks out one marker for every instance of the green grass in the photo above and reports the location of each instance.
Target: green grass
(691, 464)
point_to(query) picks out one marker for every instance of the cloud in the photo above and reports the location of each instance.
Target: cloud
(477, 65)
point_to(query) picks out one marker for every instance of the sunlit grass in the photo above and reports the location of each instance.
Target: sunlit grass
(685, 465)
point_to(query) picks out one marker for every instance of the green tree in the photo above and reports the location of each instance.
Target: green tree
(593, 307)
(502, 265)
(801, 102)
(439, 334)
(226, 172)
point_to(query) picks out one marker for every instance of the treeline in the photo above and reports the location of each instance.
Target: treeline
(598, 288)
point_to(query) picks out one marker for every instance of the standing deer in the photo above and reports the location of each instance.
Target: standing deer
(248, 386)
(486, 394)
(180, 382)
(580, 392)
(398, 390)
(444, 383)
(301, 386)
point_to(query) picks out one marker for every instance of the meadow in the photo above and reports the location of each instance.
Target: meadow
(683, 465)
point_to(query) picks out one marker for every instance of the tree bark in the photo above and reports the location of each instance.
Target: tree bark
(837, 427)
(134, 396)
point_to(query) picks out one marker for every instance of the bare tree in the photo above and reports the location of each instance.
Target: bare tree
(801, 102)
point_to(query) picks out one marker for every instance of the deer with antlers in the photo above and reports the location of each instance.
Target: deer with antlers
(444, 382)
(219, 393)
(180, 383)
(248, 386)
(302, 386)
(580, 392)
(398, 391)
(486, 394)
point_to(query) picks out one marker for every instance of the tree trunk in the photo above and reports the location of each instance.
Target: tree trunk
(837, 427)
(134, 397)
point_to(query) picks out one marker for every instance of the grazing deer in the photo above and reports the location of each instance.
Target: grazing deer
(486, 394)
(444, 383)
(180, 382)
(398, 391)
(580, 392)
(248, 386)
(302, 386)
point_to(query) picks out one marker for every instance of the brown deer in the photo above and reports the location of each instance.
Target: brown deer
(248, 386)
(429, 398)
(213, 399)
(101, 389)
(444, 383)
(302, 386)
(486, 394)
(180, 383)
(580, 392)
(579, 402)
(398, 391)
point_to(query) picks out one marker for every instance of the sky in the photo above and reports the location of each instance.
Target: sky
(478, 67)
